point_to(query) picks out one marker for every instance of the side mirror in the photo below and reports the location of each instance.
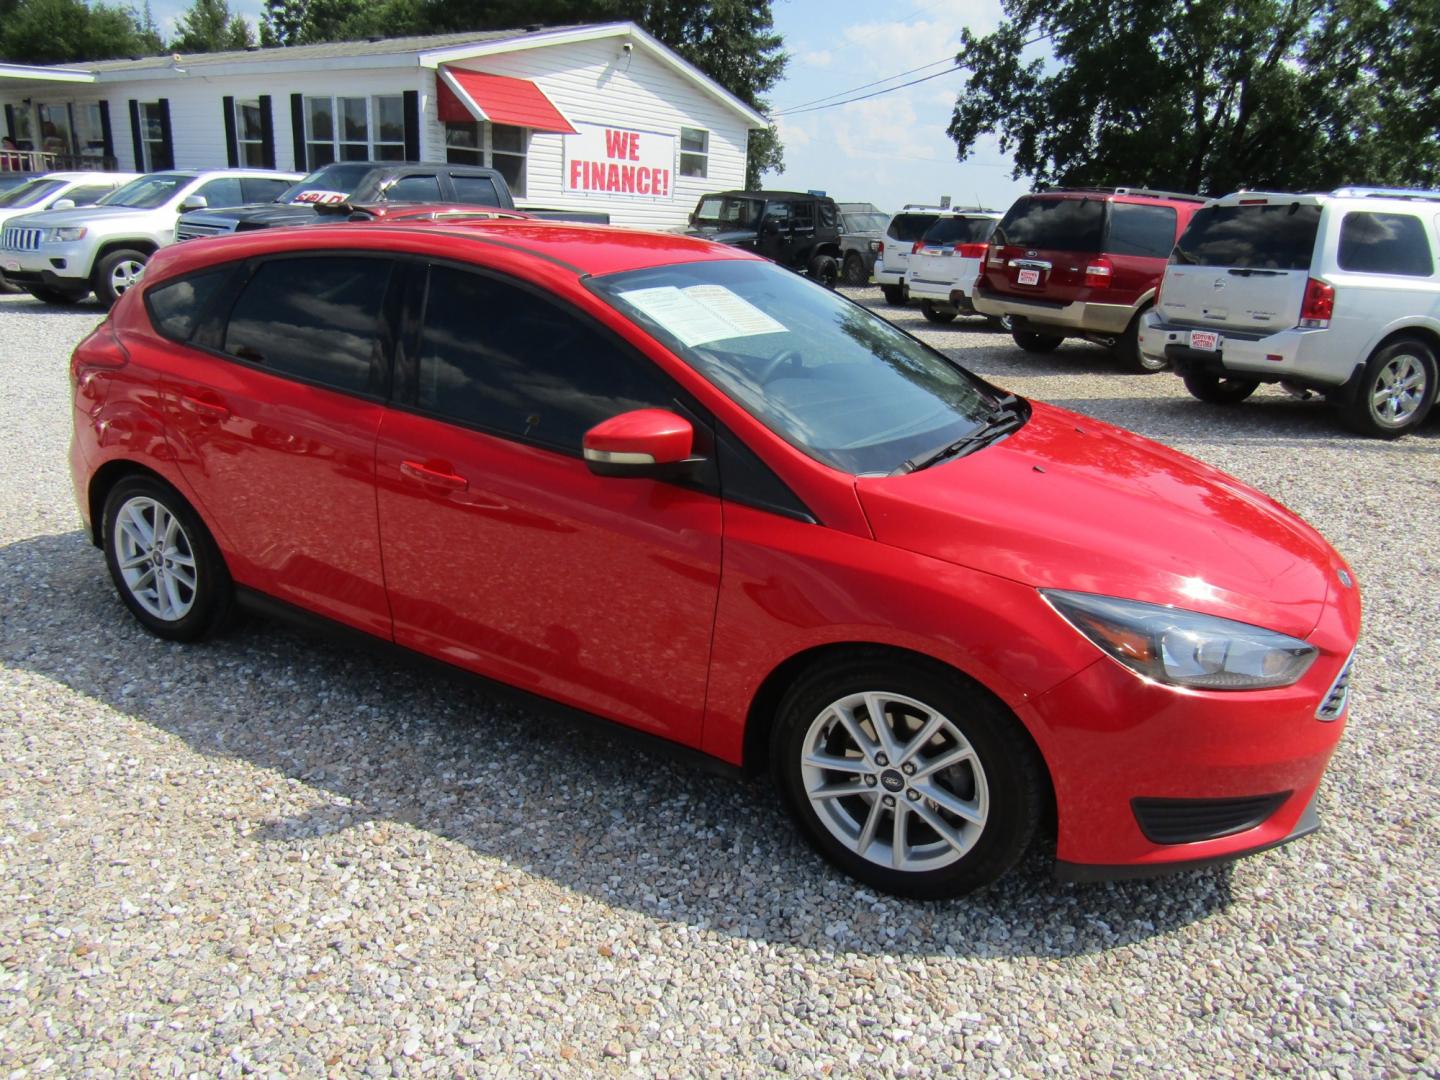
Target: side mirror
(193, 202)
(63, 204)
(651, 443)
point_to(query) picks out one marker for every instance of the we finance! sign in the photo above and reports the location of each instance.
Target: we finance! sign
(602, 160)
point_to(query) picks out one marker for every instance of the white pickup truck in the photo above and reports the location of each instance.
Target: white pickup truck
(61, 256)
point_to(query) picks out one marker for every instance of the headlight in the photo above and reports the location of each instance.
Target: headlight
(65, 235)
(1185, 648)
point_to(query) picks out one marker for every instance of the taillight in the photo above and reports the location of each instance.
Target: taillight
(996, 257)
(915, 247)
(100, 351)
(1097, 274)
(881, 248)
(971, 251)
(1319, 305)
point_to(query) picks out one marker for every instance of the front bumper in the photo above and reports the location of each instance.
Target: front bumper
(57, 266)
(1291, 355)
(1049, 316)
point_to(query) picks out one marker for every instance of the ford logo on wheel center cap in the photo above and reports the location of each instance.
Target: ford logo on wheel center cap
(891, 780)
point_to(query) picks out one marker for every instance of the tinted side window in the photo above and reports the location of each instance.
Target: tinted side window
(1148, 231)
(1056, 224)
(479, 190)
(262, 190)
(314, 318)
(500, 358)
(224, 191)
(414, 189)
(908, 228)
(177, 306)
(828, 215)
(1384, 244)
(804, 216)
(86, 196)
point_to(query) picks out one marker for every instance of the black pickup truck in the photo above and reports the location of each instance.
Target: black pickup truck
(332, 192)
(795, 229)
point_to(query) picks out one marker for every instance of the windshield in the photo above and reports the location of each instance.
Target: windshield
(333, 183)
(862, 223)
(1054, 224)
(147, 192)
(733, 213)
(826, 375)
(1276, 236)
(959, 230)
(30, 192)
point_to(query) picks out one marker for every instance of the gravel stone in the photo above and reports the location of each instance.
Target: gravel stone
(269, 856)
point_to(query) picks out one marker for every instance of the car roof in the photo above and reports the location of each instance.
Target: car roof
(1124, 193)
(781, 195)
(1317, 198)
(70, 177)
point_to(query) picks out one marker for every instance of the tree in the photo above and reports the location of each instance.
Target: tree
(66, 31)
(210, 26)
(1209, 95)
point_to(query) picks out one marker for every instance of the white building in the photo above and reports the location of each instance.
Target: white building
(602, 118)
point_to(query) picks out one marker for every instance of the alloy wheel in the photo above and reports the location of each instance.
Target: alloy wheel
(155, 558)
(1399, 389)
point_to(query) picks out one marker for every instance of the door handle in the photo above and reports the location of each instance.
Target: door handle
(211, 412)
(424, 474)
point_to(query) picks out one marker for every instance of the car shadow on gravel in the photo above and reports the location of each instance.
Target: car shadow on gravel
(388, 740)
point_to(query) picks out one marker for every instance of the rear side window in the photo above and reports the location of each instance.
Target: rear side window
(910, 227)
(1384, 244)
(257, 191)
(314, 318)
(803, 215)
(828, 215)
(177, 307)
(1274, 236)
(1056, 224)
(958, 230)
(224, 191)
(498, 357)
(414, 189)
(1146, 231)
(86, 196)
(479, 190)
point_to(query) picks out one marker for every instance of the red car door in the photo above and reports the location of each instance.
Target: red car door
(277, 437)
(503, 552)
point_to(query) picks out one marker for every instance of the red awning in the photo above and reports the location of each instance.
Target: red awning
(497, 98)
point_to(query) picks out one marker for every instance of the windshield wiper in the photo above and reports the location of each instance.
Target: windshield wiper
(1005, 419)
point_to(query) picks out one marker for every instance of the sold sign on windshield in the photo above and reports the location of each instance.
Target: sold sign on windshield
(602, 160)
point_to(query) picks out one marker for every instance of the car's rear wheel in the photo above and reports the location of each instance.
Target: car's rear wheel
(1396, 391)
(1036, 343)
(894, 294)
(1127, 350)
(912, 781)
(1219, 389)
(937, 314)
(826, 270)
(164, 563)
(855, 272)
(1000, 322)
(117, 272)
(46, 295)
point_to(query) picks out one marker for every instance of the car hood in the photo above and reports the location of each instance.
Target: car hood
(733, 237)
(1068, 502)
(80, 215)
(262, 215)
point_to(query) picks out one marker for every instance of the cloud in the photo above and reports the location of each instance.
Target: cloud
(794, 132)
(817, 58)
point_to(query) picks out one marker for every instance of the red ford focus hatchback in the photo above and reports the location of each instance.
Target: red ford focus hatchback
(674, 485)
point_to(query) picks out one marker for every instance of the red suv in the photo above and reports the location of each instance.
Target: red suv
(675, 485)
(1083, 263)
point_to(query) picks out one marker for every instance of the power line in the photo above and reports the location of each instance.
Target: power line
(865, 86)
(866, 97)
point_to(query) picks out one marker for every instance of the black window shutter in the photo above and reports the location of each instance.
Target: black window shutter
(297, 130)
(10, 123)
(107, 135)
(232, 142)
(135, 135)
(412, 125)
(165, 136)
(267, 133)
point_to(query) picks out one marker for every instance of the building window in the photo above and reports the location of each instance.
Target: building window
(694, 152)
(495, 146)
(250, 134)
(152, 137)
(354, 129)
(55, 129)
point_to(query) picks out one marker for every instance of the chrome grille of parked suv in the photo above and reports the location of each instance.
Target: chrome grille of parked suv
(1339, 695)
(21, 239)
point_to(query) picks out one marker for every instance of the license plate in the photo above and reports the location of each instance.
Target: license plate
(1029, 277)
(10, 264)
(1204, 340)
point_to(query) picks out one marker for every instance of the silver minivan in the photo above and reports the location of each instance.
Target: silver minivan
(1335, 293)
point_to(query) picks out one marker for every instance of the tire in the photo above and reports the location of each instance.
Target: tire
(1036, 343)
(999, 784)
(855, 272)
(937, 314)
(47, 295)
(1219, 389)
(1127, 350)
(1396, 391)
(826, 270)
(197, 603)
(116, 272)
(894, 294)
(1000, 322)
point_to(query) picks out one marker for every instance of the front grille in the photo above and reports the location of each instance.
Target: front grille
(1188, 821)
(17, 239)
(1339, 694)
(190, 230)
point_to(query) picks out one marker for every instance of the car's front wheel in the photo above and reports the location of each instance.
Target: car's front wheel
(937, 314)
(1127, 350)
(46, 295)
(165, 565)
(855, 272)
(117, 272)
(1036, 343)
(912, 781)
(826, 270)
(1397, 390)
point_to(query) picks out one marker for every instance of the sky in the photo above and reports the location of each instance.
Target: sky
(890, 149)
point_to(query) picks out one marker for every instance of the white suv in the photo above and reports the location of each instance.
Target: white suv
(893, 258)
(945, 262)
(61, 256)
(1334, 293)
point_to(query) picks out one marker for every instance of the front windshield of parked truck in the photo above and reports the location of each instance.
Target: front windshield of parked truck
(331, 184)
(30, 192)
(823, 373)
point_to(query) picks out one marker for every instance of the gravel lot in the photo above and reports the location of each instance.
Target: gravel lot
(268, 855)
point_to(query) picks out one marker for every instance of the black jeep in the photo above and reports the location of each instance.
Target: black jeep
(794, 229)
